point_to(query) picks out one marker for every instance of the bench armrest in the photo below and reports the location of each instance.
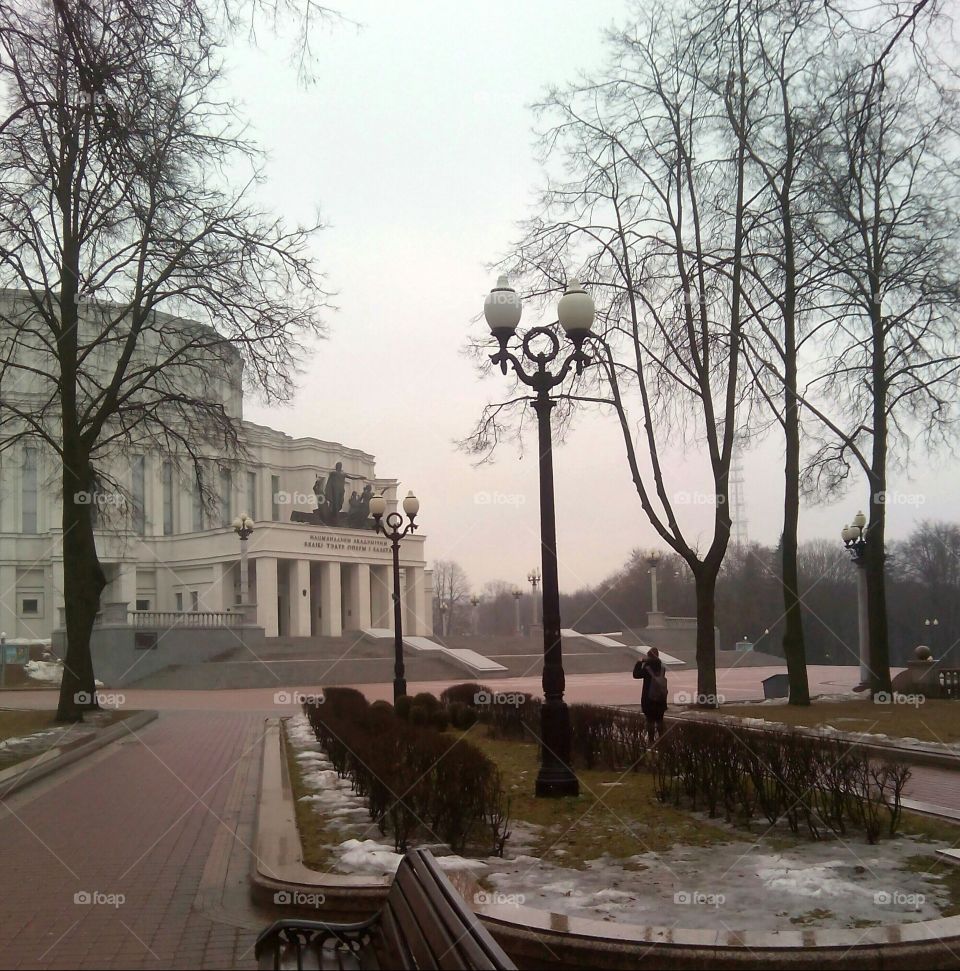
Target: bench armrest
(312, 929)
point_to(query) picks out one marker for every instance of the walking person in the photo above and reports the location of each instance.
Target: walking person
(653, 697)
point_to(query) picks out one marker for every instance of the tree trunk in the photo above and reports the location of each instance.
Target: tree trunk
(84, 581)
(794, 649)
(706, 585)
(875, 565)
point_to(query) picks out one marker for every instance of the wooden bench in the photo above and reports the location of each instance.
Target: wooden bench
(424, 923)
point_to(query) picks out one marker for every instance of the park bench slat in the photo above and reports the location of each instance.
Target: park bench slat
(438, 934)
(409, 927)
(475, 942)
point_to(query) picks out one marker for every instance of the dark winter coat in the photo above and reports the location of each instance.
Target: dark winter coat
(650, 708)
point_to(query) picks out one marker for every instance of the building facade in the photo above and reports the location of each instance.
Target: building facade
(167, 543)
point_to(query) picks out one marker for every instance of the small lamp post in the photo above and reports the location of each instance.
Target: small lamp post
(575, 313)
(475, 603)
(517, 594)
(533, 577)
(443, 618)
(931, 625)
(855, 540)
(243, 527)
(393, 532)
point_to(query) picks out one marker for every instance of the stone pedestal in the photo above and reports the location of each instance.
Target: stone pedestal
(656, 618)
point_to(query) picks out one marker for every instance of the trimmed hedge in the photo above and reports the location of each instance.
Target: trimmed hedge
(819, 783)
(416, 782)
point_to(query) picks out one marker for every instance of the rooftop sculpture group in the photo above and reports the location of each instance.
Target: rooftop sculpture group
(330, 492)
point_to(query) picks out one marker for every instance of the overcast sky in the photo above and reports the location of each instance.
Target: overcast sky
(416, 144)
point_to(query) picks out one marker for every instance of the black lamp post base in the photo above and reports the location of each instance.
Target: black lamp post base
(399, 688)
(554, 781)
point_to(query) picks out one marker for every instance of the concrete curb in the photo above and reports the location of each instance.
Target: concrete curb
(23, 774)
(542, 939)
(278, 868)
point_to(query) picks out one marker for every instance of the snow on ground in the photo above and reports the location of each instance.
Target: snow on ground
(738, 885)
(18, 748)
(49, 671)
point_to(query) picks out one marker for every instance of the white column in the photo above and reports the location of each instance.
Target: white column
(267, 595)
(413, 601)
(127, 584)
(8, 600)
(331, 622)
(381, 606)
(299, 592)
(361, 587)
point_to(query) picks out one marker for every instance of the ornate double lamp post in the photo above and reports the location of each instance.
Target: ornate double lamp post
(243, 527)
(576, 313)
(517, 594)
(393, 532)
(855, 540)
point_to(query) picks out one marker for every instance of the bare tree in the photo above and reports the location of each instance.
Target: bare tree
(122, 195)
(636, 213)
(888, 226)
(451, 589)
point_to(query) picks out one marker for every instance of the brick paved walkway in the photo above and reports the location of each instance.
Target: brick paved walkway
(146, 819)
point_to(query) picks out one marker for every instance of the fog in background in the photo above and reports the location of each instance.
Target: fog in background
(415, 142)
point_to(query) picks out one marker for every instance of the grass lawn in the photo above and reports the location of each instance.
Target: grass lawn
(615, 813)
(18, 723)
(936, 720)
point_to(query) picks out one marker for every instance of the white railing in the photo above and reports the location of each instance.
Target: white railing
(185, 618)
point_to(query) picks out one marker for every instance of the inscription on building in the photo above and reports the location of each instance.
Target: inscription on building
(362, 545)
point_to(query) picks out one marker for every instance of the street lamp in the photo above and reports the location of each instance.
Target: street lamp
(475, 603)
(855, 539)
(931, 625)
(533, 578)
(517, 594)
(575, 312)
(393, 532)
(243, 527)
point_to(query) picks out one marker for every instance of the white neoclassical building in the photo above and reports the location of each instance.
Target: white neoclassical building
(165, 550)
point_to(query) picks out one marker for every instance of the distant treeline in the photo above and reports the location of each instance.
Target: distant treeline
(924, 585)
